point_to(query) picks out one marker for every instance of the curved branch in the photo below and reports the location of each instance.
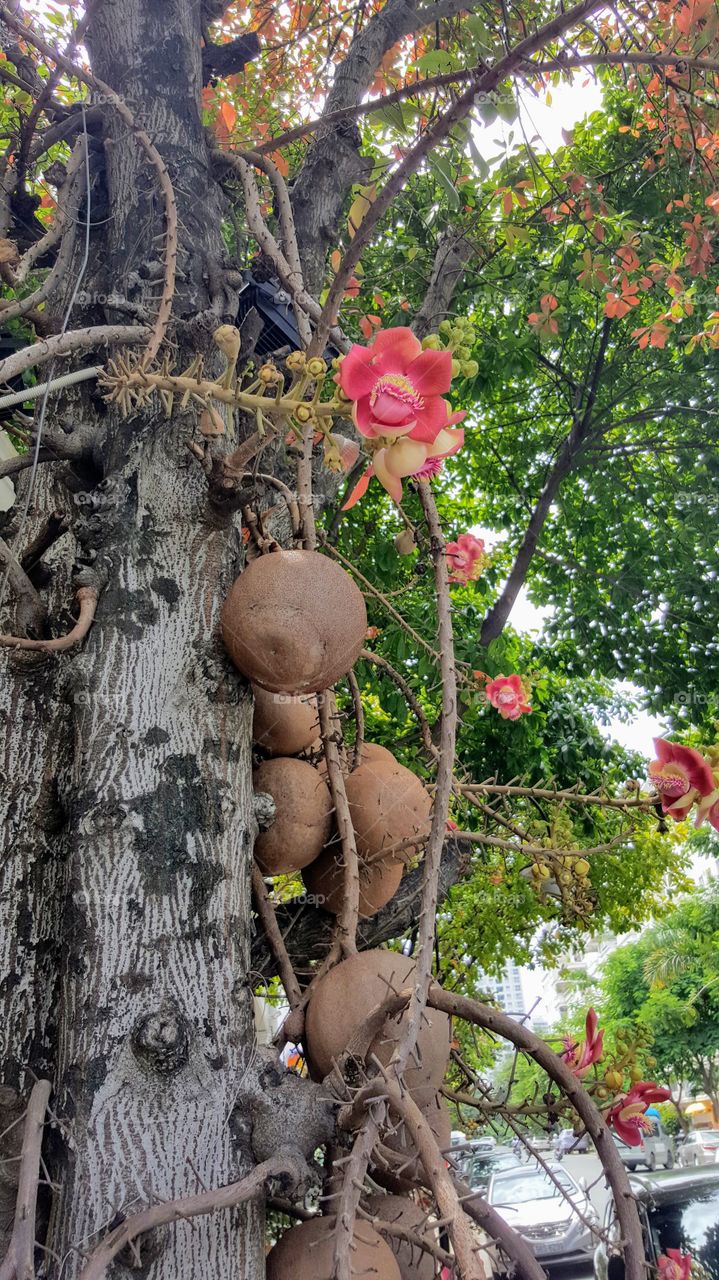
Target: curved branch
(62, 344)
(52, 235)
(87, 599)
(159, 328)
(289, 1164)
(266, 912)
(436, 133)
(519, 1035)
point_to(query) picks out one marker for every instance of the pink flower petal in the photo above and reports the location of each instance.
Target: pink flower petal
(431, 372)
(359, 490)
(356, 377)
(394, 349)
(363, 418)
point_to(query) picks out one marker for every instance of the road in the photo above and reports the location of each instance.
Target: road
(589, 1168)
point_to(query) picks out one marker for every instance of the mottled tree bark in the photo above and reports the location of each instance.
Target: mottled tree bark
(128, 815)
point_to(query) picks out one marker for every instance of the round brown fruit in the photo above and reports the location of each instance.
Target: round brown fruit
(294, 622)
(346, 995)
(379, 881)
(373, 751)
(388, 805)
(413, 1262)
(306, 1252)
(396, 1159)
(283, 724)
(303, 818)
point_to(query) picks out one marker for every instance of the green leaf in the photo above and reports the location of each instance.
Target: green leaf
(442, 171)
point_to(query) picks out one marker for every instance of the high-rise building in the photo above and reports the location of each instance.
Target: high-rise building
(507, 990)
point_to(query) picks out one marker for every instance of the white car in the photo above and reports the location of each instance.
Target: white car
(701, 1146)
(538, 1208)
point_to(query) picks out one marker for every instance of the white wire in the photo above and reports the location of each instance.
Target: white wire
(46, 395)
(55, 384)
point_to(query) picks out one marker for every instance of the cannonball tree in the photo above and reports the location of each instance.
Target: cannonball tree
(256, 388)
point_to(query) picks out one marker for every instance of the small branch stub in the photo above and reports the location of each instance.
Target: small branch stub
(161, 1040)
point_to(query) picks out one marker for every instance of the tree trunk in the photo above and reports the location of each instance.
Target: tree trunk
(130, 815)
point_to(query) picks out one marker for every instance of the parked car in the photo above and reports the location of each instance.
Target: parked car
(701, 1146)
(656, 1148)
(678, 1210)
(545, 1211)
(568, 1141)
(475, 1164)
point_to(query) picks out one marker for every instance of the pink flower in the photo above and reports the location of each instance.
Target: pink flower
(465, 558)
(579, 1057)
(509, 696)
(674, 1265)
(627, 1115)
(393, 460)
(397, 387)
(681, 775)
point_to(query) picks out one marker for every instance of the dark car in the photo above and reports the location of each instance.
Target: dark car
(678, 1210)
(475, 1164)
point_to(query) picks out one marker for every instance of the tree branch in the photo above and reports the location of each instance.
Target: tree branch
(64, 344)
(307, 930)
(19, 1261)
(519, 1035)
(573, 446)
(289, 1166)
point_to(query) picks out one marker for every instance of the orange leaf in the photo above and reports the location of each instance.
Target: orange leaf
(229, 115)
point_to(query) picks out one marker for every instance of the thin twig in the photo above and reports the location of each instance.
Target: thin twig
(19, 1261)
(115, 101)
(266, 912)
(358, 717)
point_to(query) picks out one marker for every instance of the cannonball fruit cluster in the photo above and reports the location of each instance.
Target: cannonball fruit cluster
(293, 623)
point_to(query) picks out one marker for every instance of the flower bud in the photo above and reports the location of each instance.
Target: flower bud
(432, 342)
(405, 543)
(303, 413)
(316, 367)
(296, 361)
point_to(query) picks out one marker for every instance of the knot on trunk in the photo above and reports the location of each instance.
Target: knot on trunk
(264, 809)
(161, 1039)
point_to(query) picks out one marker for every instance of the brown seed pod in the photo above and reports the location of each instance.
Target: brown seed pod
(294, 622)
(284, 725)
(379, 881)
(346, 995)
(388, 806)
(372, 751)
(414, 1263)
(303, 815)
(305, 1252)
(396, 1162)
